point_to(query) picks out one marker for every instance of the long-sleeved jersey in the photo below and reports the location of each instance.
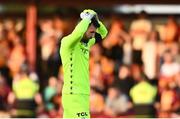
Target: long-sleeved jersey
(75, 58)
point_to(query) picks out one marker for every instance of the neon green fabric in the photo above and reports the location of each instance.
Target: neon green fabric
(75, 59)
(143, 93)
(75, 106)
(25, 88)
(90, 11)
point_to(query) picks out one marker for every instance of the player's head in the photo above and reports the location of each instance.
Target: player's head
(92, 15)
(90, 33)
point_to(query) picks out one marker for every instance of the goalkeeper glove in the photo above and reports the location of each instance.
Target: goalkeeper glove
(91, 15)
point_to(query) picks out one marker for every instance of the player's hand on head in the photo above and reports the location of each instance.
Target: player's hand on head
(91, 15)
(88, 14)
(90, 11)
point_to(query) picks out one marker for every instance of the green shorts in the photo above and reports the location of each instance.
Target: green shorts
(75, 106)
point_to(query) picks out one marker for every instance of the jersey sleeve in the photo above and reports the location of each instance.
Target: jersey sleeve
(91, 42)
(102, 31)
(77, 34)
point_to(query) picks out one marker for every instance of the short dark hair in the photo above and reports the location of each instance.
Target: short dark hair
(95, 22)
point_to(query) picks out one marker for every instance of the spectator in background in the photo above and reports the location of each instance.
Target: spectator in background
(169, 40)
(96, 54)
(116, 103)
(97, 103)
(112, 46)
(58, 26)
(124, 80)
(169, 67)
(175, 50)
(17, 54)
(117, 45)
(96, 77)
(127, 50)
(51, 31)
(48, 44)
(139, 31)
(4, 55)
(9, 24)
(107, 68)
(169, 74)
(150, 55)
(49, 93)
(137, 73)
(4, 91)
(25, 95)
(171, 30)
(168, 70)
(1, 30)
(176, 112)
(46, 26)
(167, 102)
(143, 95)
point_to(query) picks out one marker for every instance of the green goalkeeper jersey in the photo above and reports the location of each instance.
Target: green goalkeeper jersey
(75, 58)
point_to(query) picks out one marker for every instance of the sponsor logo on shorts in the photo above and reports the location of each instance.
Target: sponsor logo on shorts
(82, 114)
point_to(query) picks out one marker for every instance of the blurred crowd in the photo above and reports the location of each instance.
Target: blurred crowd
(134, 71)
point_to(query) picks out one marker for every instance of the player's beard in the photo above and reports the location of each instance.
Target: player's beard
(85, 40)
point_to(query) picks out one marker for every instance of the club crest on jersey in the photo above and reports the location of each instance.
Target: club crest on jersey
(85, 51)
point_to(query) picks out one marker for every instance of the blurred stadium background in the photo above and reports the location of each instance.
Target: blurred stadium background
(134, 72)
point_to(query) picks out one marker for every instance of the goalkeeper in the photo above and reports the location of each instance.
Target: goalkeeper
(74, 52)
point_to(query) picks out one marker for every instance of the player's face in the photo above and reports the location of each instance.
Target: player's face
(90, 33)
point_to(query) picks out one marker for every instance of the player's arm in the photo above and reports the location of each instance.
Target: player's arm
(77, 34)
(102, 31)
(100, 34)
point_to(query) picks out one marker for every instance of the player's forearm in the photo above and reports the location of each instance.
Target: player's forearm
(102, 30)
(79, 30)
(77, 34)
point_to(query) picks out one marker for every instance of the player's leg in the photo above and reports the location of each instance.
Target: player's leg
(76, 106)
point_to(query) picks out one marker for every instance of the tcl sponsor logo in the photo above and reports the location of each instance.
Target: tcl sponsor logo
(82, 114)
